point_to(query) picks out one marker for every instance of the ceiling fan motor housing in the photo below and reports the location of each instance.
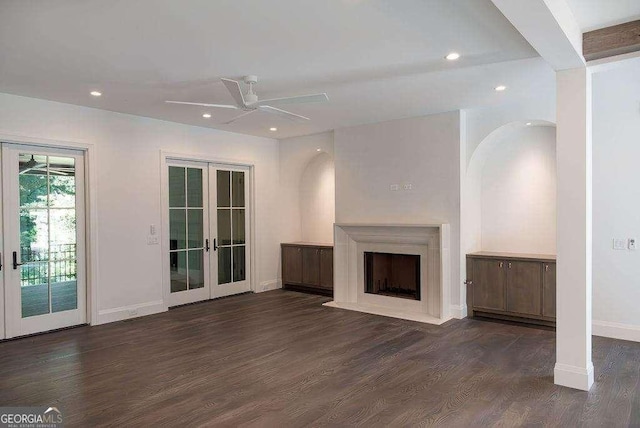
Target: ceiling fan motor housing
(250, 97)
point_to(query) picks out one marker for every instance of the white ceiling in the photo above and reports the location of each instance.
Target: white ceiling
(376, 59)
(594, 14)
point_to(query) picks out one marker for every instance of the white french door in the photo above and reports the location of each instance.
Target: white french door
(230, 228)
(208, 230)
(188, 232)
(43, 244)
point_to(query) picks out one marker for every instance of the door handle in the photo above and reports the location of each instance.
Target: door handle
(0, 261)
(206, 245)
(15, 261)
(215, 244)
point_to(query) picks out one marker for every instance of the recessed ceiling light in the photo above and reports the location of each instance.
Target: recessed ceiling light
(273, 129)
(500, 88)
(453, 56)
(528, 123)
(318, 150)
(96, 93)
(206, 115)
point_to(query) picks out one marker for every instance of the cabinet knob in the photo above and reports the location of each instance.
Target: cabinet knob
(468, 282)
(509, 265)
(546, 268)
(501, 264)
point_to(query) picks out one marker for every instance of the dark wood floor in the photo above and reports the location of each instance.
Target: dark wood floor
(281, 359)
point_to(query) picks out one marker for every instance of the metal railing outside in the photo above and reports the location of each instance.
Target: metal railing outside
(41, 265)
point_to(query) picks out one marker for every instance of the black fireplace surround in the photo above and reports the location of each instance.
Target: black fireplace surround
(395, 275)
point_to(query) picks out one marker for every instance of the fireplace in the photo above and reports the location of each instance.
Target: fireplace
(393, 275)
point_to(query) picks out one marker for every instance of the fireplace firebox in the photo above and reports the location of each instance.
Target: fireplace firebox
(395, 275)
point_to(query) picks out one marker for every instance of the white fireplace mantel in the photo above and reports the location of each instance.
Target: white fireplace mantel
(430, 241)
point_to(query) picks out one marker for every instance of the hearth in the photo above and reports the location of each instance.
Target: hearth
(394, 275)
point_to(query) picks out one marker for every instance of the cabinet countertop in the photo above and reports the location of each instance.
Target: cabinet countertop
(307, 244)
(514, 256)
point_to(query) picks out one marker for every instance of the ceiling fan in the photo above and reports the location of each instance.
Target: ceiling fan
(249, 102)
(33, 167)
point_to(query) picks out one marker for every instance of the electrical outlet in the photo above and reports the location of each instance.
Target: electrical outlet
(133, 312)
(632, 244)
(619, 244)
(408, 186)
(153, 240)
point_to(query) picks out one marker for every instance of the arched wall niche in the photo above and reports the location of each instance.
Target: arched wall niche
(509, 191)
(317, 199)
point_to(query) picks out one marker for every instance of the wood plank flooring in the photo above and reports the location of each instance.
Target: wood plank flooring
(281, 359)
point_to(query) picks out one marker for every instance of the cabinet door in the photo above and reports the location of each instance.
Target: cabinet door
(326, 268)
(524, 287)
(311, 266)
(291, 265)
(549, 290)
(489, 284)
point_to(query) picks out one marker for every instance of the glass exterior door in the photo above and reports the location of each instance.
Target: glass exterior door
(231, 224)
(188, 233)
(44, 243)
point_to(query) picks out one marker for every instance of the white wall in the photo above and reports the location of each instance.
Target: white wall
(317, 199)
(616, 199)
(128, 189)
(296, 154)
(518, 188)
(424, 152)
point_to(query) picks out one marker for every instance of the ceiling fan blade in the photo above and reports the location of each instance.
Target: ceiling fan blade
(234, 89)
(283, 113)
(203, 104)
(239, 116)
(314, 98)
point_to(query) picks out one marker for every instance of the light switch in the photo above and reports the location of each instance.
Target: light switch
(632, 244)
(619, 244)
(394, 187)
(152, 229)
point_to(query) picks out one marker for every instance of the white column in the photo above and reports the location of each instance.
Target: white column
(573, 335)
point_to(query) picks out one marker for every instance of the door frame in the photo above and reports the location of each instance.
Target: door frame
(168, 156)
(90, 212)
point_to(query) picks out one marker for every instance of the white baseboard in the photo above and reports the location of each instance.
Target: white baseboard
(458, 311)
(132, 311)
(616, 330)
(573, 377)
(269, 285)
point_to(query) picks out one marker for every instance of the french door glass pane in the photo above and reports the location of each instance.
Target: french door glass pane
(176, 187)
(195, 226)
(224, 227)
(186, 228)
(231, 226)
(194, 187)
(178, 264)
(47, 234)
(238, 263)
(177, 229)
(238, 189)
(196, 271)
(224, 265)
(34, 289)
(224, 188)
(238, 226)
(33, 182)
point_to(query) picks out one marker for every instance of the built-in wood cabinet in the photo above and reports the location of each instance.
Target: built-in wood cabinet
(307, 267)
(520, 287)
